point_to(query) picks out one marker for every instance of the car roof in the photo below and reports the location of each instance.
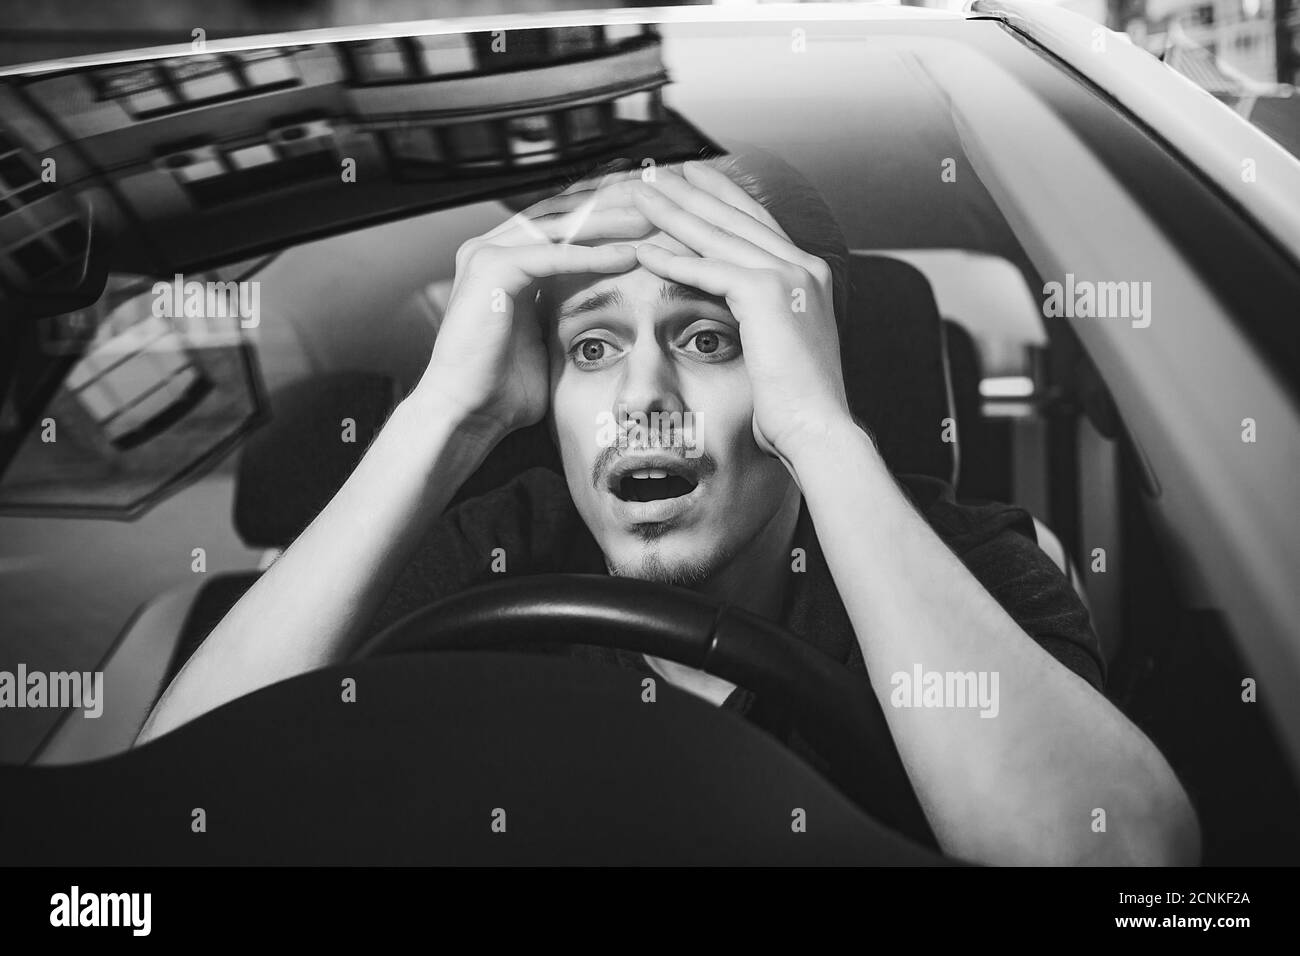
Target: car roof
(1204, 131)
(868, 11)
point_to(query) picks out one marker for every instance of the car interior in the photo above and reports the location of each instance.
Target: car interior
(947, 359)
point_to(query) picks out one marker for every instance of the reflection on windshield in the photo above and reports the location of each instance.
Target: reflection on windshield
(153, 395)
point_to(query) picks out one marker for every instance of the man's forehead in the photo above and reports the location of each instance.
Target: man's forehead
(570, 291)
(607, 294)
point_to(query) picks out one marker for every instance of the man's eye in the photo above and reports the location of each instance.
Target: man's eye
(707, 342)
(586, 352)
(712, 344)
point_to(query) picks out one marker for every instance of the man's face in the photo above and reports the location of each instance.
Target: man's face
(651, 408)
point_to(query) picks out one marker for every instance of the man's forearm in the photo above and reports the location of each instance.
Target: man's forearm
(1021, 787)
(312, 605)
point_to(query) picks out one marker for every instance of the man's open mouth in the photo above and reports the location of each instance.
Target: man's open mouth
(652, 480)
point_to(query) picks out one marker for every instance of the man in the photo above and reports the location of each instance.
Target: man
(684, 297)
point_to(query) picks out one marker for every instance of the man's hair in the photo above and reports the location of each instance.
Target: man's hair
(790, 199)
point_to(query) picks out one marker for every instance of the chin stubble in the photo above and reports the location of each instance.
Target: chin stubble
(651, 566)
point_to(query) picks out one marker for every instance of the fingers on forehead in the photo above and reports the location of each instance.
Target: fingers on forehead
(616, 189)
(731, 192)
(615, 193)
(598, 226)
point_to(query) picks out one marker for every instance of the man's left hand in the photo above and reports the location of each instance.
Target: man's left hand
(780, 296)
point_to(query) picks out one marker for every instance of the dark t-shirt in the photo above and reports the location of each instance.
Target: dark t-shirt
(533, 519)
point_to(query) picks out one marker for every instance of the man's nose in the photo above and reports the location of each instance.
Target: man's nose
(649, 382)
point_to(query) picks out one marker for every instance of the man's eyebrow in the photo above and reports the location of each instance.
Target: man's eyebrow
(674, 292)
(593, 303)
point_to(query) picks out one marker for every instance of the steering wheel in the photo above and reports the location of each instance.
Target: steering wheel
(402, 758)
(830, 706)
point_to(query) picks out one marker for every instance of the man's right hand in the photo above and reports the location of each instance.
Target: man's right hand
(488, 366)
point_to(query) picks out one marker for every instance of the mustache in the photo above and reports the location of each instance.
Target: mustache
(702, 466)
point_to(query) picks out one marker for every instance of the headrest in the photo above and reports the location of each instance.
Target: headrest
(292, 466)
(895, 365)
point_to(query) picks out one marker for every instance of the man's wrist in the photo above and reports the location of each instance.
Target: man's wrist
(451, 418)
(841, 442)
(451, 444)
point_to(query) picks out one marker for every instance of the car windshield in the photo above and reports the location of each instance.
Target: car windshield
(900, 125)
(277, 232)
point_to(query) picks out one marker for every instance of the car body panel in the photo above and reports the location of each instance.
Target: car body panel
(1215, 139)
